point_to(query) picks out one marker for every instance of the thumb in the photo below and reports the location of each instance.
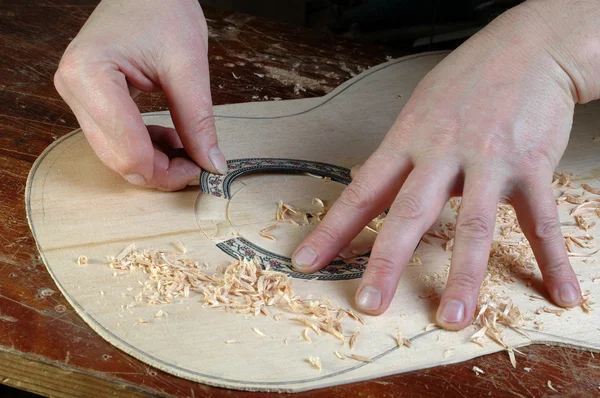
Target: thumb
(187, 87)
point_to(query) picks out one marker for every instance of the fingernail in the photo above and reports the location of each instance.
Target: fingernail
(453, 311)
(369, 298)
(568, 294)
(218, 160)
(305, 257)
(135, 179)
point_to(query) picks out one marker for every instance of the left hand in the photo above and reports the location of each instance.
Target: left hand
(490, 122)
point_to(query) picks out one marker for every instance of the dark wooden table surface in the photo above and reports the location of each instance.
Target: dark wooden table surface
(46, 348)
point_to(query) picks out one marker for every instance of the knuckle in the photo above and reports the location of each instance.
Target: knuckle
(203, 124)
(556, 268)
(69, 68)
(357, 196)
(475, 226)
(324, 233)
(546, 229)
(464, 281)
(408, 208)
(382, 266)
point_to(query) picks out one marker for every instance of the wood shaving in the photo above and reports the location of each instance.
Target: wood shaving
(258, 332)
(315, 362)
(340, 356)
(586, 302)
(401, 340)
(232, 341)
(478, 371)
(318, 202)
(511, 356)
(548, 310)
(82, 260)
(550, 386)
(355, 316)
(309, 324)
(305, 335)
(448, 352)
(416, 261)
(584, 223)
(527, 369)
(180, 247)
(591, 189)
(160, 314)
(353, 339)
(360, 358)
(265, 232)
(495, 315)
(431, 326)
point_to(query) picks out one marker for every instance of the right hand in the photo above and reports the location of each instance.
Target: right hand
(128, 46)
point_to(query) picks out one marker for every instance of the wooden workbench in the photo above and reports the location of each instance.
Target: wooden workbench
(46, 348)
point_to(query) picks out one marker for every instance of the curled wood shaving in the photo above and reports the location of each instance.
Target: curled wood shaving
(340, 356)
(401, 340)
(265, 232)
(306, 336)
(431, 326)
(478, 370)
(591, 189)
(584, 223)
(550, 386)
(318, 202)
(562, 180)
(585, 208)
(360, 358)
(82, 260)
(315, 362)
(586, 302)
(160, 314)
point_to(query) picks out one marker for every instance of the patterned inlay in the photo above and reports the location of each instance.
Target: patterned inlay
(219, 186)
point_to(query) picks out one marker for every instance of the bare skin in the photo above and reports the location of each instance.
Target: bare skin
(490, 123)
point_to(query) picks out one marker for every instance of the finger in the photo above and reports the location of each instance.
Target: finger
(167, 174)
(164, 136)
(99, 97)
(414, 210)
(369, 194)
(471, 250)
(172, 174)
(187, 88)
(538, 216)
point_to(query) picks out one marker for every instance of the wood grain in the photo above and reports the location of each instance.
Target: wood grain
(37, 325)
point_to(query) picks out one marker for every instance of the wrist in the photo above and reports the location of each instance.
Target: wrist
(569, 32)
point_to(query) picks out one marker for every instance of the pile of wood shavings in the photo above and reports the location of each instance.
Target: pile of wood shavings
(285, 213)
(512, 257)
(243, 287)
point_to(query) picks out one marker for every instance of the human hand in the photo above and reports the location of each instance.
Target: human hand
(130, 46)
(490, 122)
